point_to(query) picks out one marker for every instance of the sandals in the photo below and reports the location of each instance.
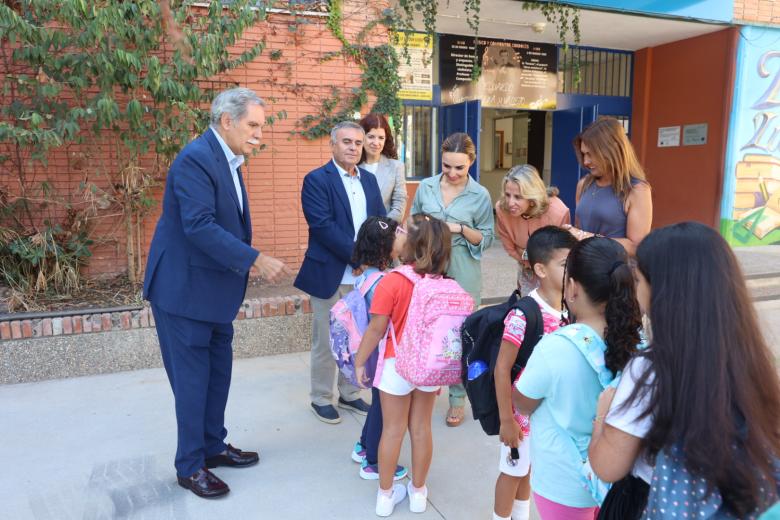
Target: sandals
(455, 416)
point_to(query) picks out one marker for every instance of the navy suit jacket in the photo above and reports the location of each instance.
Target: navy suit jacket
(331, 232)
(201, 253)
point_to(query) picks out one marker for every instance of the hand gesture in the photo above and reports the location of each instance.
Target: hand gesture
(605, 401)
(510, 433)
(270, 269)
(360, 376)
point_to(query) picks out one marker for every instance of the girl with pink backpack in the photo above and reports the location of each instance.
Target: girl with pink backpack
(416, 314)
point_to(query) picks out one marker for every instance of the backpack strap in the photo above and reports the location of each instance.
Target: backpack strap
(370, 281)
(407, 271)
(591, 346)
(534, 330)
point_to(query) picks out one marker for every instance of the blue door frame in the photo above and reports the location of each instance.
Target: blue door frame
(572, 114)
(462, 117)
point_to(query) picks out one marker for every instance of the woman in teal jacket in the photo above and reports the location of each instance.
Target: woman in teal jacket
(464, 204)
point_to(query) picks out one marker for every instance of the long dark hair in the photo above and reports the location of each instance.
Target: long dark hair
(714, 389)
(600, 265)
(374, 243)
(373, 121)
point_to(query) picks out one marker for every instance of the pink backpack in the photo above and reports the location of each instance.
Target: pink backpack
(430, 350)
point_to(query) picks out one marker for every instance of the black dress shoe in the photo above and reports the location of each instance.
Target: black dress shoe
(234, 458)
(205, 484)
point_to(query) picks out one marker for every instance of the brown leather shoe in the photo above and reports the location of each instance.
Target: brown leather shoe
(234, 458)
(205, 484)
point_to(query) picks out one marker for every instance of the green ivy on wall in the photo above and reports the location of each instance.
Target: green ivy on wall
(379, 64)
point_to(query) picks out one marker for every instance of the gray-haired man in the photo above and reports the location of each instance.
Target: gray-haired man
(337, 198)
(196, 277)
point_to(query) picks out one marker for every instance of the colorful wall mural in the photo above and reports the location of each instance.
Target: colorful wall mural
(750, 209)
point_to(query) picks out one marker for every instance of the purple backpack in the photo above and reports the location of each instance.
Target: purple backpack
(348, 321)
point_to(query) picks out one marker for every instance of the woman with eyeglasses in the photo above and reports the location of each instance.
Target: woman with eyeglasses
(527, 205)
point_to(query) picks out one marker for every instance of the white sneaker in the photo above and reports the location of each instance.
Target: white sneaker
(385, 504)
(418, 500)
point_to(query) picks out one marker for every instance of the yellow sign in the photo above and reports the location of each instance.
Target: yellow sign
(416, 73)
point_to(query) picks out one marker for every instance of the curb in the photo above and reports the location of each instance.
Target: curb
(70, 324)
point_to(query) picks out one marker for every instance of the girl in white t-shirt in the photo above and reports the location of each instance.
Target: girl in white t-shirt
(706, 384)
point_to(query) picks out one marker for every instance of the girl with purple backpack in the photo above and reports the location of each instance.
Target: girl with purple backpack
(404, 405)
(379, 243)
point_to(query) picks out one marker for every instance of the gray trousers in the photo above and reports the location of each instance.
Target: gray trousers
(323, 367)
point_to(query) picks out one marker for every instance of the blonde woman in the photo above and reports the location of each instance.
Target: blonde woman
(613, 200)
(526, 206)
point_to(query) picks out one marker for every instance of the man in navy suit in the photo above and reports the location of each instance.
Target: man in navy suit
(337, 198)
(196, 278)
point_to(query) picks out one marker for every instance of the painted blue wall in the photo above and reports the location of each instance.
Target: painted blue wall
(750, 206)
(713, 10)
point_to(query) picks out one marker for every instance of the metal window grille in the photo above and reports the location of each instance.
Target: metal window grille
(312, 6)
(603, 72)
(416, 143)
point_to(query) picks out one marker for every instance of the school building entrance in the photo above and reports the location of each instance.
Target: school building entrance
(526, 106)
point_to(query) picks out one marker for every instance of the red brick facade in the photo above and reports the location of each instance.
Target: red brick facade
(274, 177)
(760, 11)
(297, 82)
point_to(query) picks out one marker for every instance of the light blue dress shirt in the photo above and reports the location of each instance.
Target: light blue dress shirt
(234, 161)
(357, 206)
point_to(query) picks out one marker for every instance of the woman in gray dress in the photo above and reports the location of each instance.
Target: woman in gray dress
(613, 200)
(381, 159)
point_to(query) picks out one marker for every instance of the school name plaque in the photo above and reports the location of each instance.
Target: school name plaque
(513, 74)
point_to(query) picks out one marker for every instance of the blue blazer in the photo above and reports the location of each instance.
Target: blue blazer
(201, 253)
(331, 232)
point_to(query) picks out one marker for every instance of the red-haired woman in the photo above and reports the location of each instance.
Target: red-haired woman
(381, 159)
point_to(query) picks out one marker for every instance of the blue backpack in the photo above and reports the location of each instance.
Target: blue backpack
(676, 493)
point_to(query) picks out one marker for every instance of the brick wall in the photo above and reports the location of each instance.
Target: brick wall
(761, 11)
(274, 177)
(297, 83)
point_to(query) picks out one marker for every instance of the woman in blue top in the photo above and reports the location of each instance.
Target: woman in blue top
(613, 200)
(569, 368)
(464, 204)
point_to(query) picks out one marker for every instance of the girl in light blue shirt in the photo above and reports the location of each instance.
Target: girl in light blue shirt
(569, 368)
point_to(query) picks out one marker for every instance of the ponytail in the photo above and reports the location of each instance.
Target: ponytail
(600, 266)
(623, 317)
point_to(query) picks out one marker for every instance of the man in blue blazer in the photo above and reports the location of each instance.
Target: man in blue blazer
(337, 198)
(196, 278)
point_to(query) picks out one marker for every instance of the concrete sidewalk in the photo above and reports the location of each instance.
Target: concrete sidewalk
(103, 446)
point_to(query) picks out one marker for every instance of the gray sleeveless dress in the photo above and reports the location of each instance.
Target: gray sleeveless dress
(601, 211)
